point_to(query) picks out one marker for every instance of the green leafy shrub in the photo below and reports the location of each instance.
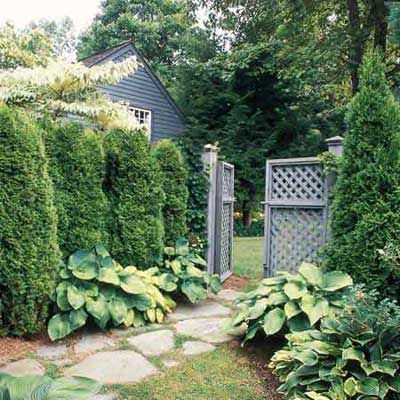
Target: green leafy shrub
(256, 229)
(296, 302)
(356, 355)
(184, 269)
(133, 186)
(95, 285)
(44, 388)
(28, 237)
(366, 198)
(197, 185)
(77, 169)
(175, 174)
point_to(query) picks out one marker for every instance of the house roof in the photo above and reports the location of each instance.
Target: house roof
(104, 55)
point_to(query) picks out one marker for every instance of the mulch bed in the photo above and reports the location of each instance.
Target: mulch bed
(14, 347)
(235, 283)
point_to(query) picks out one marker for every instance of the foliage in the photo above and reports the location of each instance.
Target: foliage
(184, 269)
(134, 188)
(28, 238)
(197, 185)
(296, 302)
(256, 229)
(77, 169)
(366, 198)
(96, 286)
(353, 356)
(44, 388)
(330, 162)
(164, 31)
(23, 48)
(174, 175)
(61, 89)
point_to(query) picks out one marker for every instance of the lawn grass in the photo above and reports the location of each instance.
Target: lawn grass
(224, 374)
(247, 257)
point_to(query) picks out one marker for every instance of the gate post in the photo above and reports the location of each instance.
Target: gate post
(335, 146)
(210, 163)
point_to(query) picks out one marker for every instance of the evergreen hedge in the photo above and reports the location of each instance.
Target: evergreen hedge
(366, 205)
(28, 238)
(175, 174)
(133, 186)
(77, 168)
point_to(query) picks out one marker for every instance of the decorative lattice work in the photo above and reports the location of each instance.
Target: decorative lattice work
(297, 182)
(226, 245)
(296, 235)
(227, 182)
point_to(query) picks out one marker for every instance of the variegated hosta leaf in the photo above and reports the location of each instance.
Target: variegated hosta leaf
(273, 321)
(312, 274)
(336, 280)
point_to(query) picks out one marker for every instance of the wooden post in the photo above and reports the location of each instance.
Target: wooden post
(210, 163)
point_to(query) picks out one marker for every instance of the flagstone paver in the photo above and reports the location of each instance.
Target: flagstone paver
(55, 350)
(153, 343)
(93, 342)
(208, 329)
(106, 396)
(114, 367)
(204, 309)
(170, 363)
(23, 367)
(227, 295)
(192, 348)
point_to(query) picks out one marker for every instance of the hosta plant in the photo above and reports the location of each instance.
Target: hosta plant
(44, 388)
(294, 302)
(95, 286)
(354, 356)
(186, 272)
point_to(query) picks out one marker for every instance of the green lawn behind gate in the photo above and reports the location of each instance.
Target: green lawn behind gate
(247, 257)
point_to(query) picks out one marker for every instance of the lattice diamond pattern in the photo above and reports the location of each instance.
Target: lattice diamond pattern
(226, 238)
(296, 235)
(297, 182)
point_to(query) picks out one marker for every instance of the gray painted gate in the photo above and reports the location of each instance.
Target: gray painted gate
(295, 213)
(224, 208)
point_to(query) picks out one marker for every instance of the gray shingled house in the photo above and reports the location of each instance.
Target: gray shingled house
(148, 98)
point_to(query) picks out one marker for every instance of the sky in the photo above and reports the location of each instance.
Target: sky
(21, 12)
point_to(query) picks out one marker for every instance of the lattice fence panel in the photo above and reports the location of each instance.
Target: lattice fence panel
(297, 182)
(295, 213)
(226, 245)
(296, 235)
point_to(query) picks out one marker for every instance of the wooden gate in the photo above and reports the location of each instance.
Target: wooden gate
(224, 208)
(295, 213)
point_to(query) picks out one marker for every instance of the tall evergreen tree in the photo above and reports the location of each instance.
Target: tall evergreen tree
(365, 214)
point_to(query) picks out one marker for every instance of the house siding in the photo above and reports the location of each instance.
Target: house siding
(142, 90)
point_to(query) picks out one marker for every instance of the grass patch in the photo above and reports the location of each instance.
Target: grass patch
(223, 374)
(248, 257)
(180, 339)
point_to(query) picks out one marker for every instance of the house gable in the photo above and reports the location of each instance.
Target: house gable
(142, 90)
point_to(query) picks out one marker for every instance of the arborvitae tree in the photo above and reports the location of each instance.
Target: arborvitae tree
(77, 168)
(366, 203)
(133, 185)
(29, 255)
(175, 173)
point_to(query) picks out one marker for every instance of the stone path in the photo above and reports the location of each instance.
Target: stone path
(127, 356)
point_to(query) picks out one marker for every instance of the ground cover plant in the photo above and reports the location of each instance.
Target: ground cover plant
(186, 270)
(28, 237)
(45, 388)
(294, 302)
(353, 356)
(95, 286)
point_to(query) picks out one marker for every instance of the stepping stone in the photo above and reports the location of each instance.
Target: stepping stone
(27, 366)
(227, 295)
(207, 329)
(52, 351)
(205, 309)
(114, 367)
(93, 342)
(107, 396)
(153, 343)
(170, 363)
(62, 362)
(193, 348)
